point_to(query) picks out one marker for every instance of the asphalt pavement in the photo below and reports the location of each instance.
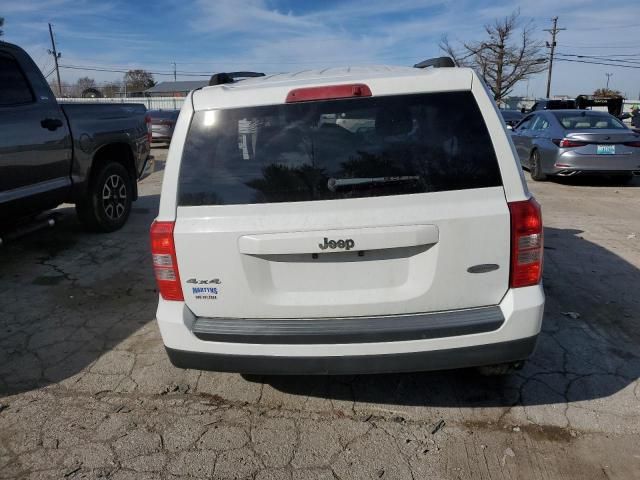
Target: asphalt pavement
(86, 390)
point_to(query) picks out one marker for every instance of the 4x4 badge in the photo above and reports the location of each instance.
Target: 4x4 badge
(213, 281)
(347, 244)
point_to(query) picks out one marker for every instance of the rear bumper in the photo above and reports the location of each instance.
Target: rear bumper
(391, 328)
(511, 340)
(575, 172)
(463, 357)
(575, 164)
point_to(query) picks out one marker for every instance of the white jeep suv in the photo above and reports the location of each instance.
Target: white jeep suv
(347, 220)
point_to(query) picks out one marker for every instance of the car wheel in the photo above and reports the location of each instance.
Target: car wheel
(107, 204)
(535, 167)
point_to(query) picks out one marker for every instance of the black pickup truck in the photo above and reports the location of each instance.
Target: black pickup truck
(87, 154)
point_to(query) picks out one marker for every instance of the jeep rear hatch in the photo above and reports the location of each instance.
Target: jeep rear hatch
(340, 208)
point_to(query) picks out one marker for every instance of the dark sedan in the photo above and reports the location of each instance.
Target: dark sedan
(512, 117)
(576, 142)
(162, 124)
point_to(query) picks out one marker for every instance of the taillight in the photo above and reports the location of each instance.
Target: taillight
(165, 266)
(568, 143)
(147, 120)
(526, 243)
(330, 92)
(632, 144)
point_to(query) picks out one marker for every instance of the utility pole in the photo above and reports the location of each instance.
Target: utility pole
(554, 31)
(174, 81)
(609, 75)
(56, 56)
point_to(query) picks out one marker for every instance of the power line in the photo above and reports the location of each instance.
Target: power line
(50, 72)
(632, 62)
(611, 27)
(602, 56)
(598, 63)
(602, 46)
(112, 70)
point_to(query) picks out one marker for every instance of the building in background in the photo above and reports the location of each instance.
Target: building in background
(174, 89)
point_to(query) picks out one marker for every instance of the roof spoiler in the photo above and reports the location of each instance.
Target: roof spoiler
(439, 62)
(230, 77)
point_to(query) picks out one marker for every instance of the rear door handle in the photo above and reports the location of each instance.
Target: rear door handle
(330, 241)
(51, 123)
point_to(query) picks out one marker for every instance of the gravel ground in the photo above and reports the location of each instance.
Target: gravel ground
(86, 390)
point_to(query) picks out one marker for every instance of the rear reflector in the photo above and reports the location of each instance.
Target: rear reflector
(567, 143)
(165, 266)
(328, 93)
(632, 144)
(526, 243)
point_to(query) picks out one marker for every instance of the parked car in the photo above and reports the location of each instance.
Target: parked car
(162, 124)
(289, 244)
(553, 104)
(577, 142)
(88, 154)
(512, 117)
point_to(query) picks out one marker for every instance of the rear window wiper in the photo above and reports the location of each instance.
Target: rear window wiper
(336, 183)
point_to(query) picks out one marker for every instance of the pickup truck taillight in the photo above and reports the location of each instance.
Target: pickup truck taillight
(165, 265)
(147, 120)
(526, 243)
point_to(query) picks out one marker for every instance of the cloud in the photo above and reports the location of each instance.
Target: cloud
(284, 35)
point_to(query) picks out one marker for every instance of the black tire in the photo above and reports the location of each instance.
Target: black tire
(623, 179)
(107, 204)
(535, 167)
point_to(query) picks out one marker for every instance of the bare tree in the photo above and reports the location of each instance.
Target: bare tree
(82, 84)
(1, 25)
(508, 55)
(138, 80)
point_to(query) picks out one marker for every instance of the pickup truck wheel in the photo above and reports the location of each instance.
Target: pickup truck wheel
(108, 202)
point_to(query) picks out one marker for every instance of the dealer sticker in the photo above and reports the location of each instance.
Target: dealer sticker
(205, 293)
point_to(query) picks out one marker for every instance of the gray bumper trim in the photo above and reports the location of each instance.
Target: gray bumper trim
(491, 354)
(349, 330)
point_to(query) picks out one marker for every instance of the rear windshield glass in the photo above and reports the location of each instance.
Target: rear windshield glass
(584, 121)
(337, 149)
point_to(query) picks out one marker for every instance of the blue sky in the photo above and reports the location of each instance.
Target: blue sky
(271, 35)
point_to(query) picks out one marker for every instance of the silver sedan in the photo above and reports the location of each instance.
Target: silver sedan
(576, 142)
